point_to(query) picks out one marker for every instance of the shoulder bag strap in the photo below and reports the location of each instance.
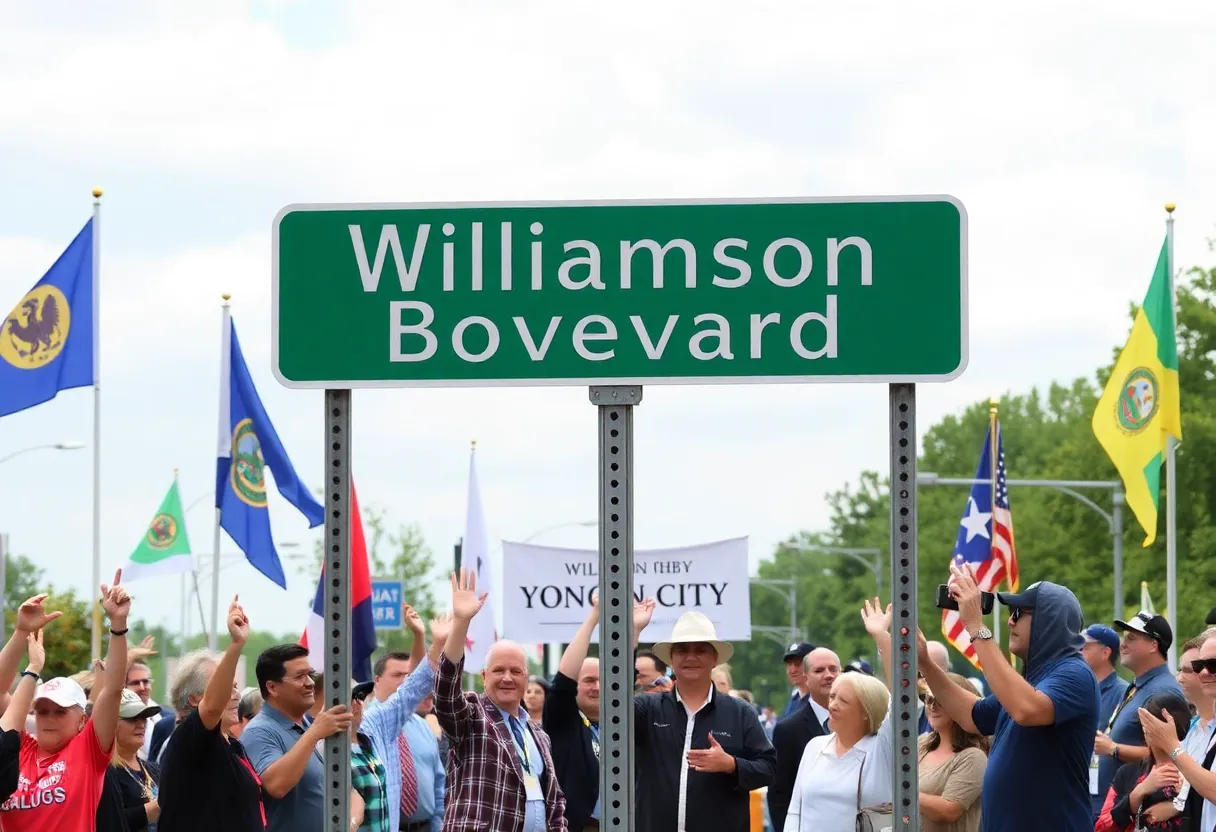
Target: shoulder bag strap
(860, 771)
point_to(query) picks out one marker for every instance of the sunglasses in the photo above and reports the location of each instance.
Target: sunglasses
(1016, 612)
(1200, 665)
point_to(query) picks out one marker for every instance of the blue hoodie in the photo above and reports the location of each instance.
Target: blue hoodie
(1038, 777)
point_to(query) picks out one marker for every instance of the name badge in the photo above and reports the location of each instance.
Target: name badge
(1093, 774)
(532, 788)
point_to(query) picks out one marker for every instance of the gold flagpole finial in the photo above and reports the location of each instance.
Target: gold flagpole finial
(97, 193)
(1169, 207)
(473, 445)
(227, 297)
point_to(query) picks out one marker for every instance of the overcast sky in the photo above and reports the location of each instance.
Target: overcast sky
(1063, 128)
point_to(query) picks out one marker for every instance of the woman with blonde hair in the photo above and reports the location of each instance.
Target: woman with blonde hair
(849, 768)
(720, 676)
(129, 799)
(951, 770)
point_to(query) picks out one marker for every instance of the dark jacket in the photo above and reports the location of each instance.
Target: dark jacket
(790, 736)
(719, 802)
(161, 732)
(574, 757)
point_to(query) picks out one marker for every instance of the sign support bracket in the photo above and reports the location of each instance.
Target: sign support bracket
(905, 714)
(617, 797)
(336, 575)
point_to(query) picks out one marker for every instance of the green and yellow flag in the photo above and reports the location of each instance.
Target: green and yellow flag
(165, 548)
(1139, 408)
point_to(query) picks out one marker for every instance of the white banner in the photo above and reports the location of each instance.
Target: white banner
(546, 589)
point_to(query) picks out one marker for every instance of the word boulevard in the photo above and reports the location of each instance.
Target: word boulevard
(573, 293)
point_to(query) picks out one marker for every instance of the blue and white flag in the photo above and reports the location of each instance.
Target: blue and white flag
(248, 445)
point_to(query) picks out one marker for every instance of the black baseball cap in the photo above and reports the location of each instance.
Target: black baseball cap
(1153, 626)
(361, 690)
(1024, 600)
(798, 650)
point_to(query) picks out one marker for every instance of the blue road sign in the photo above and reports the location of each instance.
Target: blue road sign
(386, 604)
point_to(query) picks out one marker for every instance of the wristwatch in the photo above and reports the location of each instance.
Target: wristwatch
(982, 634)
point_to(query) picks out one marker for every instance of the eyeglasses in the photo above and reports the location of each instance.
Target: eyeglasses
(1200, 665)
(1016, 612)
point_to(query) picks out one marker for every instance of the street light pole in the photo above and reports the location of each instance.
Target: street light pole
(55, 446)
(1114, 520)
(858, 555)
(791, 598)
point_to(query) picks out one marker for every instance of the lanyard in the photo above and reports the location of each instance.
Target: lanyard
(1131, 691)
(595, 734)
(521, 743)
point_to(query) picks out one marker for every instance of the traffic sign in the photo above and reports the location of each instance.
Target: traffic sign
(630, 292)
(386, 604)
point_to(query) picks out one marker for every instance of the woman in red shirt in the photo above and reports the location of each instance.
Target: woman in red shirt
(63, 767)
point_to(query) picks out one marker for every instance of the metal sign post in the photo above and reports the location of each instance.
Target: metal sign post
(615, 405)
(336, 574)
(905, 714)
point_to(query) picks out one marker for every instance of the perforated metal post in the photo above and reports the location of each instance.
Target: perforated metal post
(336, 682)
(905, 707)
(615, 405)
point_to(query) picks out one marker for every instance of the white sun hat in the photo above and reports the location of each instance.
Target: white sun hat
(693, 627)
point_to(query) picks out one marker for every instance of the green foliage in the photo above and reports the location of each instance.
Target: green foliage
(1047, 435)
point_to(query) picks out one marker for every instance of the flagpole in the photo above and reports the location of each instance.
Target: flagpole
(96, 588)
(225, 359)
(993, 405)
(1171, 504)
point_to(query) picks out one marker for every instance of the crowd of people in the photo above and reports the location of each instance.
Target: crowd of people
(1065, 744)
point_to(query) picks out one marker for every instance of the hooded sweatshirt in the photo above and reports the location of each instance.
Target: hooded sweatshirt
(1038, 777)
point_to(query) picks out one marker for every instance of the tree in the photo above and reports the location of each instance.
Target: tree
(1047, 435)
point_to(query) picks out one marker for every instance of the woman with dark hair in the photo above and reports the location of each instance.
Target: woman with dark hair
(534, 697)
(951, 770)
(1141, 795)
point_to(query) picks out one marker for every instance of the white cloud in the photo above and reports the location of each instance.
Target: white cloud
(1063, 130)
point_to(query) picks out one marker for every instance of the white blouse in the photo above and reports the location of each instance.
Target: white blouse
(825, 790)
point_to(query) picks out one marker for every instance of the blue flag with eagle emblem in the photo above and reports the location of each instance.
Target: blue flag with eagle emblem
(248, 446)
(46, 342)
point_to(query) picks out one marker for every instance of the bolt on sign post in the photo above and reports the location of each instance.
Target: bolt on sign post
(615, 295)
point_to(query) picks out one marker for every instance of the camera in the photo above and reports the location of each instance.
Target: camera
(945, 602)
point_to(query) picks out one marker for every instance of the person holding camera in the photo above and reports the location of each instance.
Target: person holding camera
(1043, 722)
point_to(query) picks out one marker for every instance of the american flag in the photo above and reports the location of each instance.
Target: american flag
(985, 539)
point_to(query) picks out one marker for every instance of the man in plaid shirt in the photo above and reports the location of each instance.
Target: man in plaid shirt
(500, 776)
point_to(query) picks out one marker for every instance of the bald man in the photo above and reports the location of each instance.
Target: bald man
(940, 655)
(500, 772)
(821, 666)
(572, 721)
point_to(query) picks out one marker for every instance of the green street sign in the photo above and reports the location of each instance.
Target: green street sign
(620, 292)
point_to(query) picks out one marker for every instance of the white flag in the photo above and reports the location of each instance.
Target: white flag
(475, 556)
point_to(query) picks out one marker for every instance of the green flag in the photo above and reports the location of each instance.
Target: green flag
(164, 548)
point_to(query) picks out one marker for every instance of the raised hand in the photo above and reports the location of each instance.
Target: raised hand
(115, 600)
(31, 617)
(642, 611)
(1159, 732)
(441, 625)
(36, 652)
(877, 622)
(148, 644)
(238, 622)
(413, 620)
(466, 603)
(922, 650)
